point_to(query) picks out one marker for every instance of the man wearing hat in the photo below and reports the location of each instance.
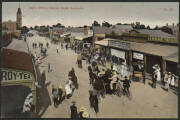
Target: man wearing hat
(85, 115)
(74, 113)
(81, 111)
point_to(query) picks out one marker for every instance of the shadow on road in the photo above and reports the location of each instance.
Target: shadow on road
(44, 100)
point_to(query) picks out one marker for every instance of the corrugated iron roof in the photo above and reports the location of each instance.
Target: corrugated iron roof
(18, 45)
(156, 33)
(106, 30)
(168, 52)
(123, 27)
(18, 60)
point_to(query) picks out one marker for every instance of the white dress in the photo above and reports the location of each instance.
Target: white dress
(158, 75)
(172, 81)
(68, 89)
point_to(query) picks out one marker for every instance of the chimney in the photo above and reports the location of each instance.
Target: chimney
(86, 29)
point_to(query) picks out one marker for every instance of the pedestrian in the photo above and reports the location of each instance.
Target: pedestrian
(144, 77)
(126, 85)
(60, 91)
(57, 50)
(172, 83)
(33, 45)
(55, 96)
(49, 67)
(90, 74)
(73, 108)
(81, 111)
(68, 89)
(61, 45)
(47, 44)
(154, 79)
(96, 104)
(167, 81)
(66, 46)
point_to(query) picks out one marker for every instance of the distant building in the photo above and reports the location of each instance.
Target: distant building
(13, 27)
(145, 35)
(174, 28)
(19, 18)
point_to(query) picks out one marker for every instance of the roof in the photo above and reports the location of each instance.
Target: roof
(123, 27)
(18, 60)
(102, 42)
(82, 37)
(19, 10)
(173, 57)
(69, 29)
(18, 45)
(106, 30)
(168, 52)
(156, 33)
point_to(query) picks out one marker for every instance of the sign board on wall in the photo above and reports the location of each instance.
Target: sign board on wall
(119, 44)
(118, 53)
(8, 75)
(138, 56)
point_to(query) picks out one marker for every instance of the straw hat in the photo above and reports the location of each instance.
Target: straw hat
(85, 115)
(82, 109)
(169, 72)
(114, 73)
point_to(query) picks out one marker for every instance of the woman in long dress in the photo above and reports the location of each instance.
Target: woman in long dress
(172, 83)
(158, 71)
(167, 82)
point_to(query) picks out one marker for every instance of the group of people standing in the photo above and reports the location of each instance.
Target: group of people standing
(169, 78)
(78, 114)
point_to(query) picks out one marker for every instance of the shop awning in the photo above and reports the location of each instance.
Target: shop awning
(102, 42)
(156, 49)
(173, 57)
(18, 60)
(18, 45)
(82, 37)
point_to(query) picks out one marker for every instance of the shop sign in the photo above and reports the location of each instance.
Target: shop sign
(8, 75)
(138, 56)
(118, 53)
(119, 44)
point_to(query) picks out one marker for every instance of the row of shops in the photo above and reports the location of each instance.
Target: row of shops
(19, 81)
(145, 54)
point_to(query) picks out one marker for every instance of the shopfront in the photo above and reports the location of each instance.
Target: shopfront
(119, 52)
(138, 62)
(18, 81)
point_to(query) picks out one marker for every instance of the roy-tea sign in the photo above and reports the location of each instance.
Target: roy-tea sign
(8, 75)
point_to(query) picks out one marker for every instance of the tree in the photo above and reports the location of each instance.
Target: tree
(58, 25)
(106, 24)
(166, 30)
(24, 30)
(156, 28)
(36, 27)
(96, 24)
(118, 24)
(148, 27)
(31, 28)
(138, 26)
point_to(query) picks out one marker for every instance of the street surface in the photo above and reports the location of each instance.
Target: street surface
(146, 102)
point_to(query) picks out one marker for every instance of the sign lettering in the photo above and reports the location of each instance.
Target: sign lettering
(8, 75)
(119, 44)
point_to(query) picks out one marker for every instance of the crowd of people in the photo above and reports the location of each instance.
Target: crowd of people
(104, 81)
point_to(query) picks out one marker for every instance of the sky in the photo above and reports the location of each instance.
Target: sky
(84, 13)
